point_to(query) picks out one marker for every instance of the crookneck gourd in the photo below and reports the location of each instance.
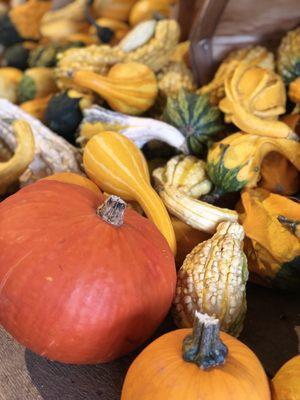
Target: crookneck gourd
(118, 167)
(13, 168)
(213, 280)
(52, 152)
(235, 162)
(179, 184)
(255, 97)
(150, 43)
(196, 364)
(272, 246)
(196, 118)
(130, 87)
(253, 56)
(140, 130)
(288, 57)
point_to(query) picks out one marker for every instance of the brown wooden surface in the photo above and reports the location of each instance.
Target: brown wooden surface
(272, 330)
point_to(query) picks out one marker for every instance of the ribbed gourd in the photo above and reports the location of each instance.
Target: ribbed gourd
(235, 162)
(36, 82)
(13, 168)
(196, 118)
(252, 56)
(180, 183)
(118, 167)
(139, 130)
(288, 56)
(130, 87)
(213, 280)
(272, 244)
(255, 97)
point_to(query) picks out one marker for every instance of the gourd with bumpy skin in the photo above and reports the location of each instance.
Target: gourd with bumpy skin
(139, 130)
(179, 184)
(118, 167)
(12, 169)
(253, 56)
(272, 245)
(150, 42)
(213, 280)
(255, 97)
(130, 88)
(196, 118)
(121, 250)
(286, 383)
(235, 162)
(288, 56)
(195, 364)
(52, 152)
(36, 82)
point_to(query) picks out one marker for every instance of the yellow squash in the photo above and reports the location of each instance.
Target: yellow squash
(130, 88)
(11, 170)
(75, 179)
(118, 167)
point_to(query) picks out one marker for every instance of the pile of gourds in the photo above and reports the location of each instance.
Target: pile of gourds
(98, 107)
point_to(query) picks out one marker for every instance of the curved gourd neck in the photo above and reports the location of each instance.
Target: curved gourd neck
(204, 346)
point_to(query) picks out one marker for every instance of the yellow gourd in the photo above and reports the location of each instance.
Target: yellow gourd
(118, 167)
(130, 88)
(11, 170)
(37, 107)
(74, 179)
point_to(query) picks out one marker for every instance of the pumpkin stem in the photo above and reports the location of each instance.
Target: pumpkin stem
(112, 210)
(204, 346)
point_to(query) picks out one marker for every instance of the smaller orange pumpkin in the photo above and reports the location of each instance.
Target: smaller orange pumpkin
(286, 383)
(170, 370)
(75, 179)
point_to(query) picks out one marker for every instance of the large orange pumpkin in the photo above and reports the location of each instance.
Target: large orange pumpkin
(202, 364)
(80, 283)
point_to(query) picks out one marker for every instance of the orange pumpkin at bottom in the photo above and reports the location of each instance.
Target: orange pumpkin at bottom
(202, 364)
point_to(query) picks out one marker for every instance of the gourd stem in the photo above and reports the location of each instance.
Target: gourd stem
(213, 196)
(204, 346)
(289, 223)
(112, 211)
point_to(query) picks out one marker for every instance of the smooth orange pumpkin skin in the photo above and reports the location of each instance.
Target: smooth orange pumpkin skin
(160, 373)
(74, 288)
(286, 383)
(75, 179)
